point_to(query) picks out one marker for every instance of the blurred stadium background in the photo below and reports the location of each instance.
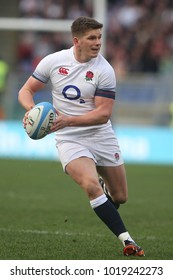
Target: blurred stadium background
(43, 220)
(137, 41)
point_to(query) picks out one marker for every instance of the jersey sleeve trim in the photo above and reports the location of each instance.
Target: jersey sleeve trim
(105, 93)
(41, 79)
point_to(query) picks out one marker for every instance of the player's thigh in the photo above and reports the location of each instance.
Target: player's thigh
(115, 180)
(83, 171)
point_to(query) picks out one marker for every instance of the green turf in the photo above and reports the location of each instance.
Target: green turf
(44, 215)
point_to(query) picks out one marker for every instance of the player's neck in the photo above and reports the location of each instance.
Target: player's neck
(80, 57)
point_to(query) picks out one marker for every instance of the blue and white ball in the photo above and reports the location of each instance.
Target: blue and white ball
(40, 120)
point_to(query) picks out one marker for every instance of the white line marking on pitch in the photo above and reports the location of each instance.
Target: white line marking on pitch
(46, 232)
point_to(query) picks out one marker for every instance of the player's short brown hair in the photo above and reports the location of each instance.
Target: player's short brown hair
(83, 24)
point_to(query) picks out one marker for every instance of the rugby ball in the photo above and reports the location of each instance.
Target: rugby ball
(40, 119)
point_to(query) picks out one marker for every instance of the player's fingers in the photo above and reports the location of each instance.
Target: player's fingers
(57, 112)
(25, 119)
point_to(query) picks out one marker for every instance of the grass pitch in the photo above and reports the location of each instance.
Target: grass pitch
(45, 215)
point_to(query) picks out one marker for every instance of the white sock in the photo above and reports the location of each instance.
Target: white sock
(125, 236)
(98, 201)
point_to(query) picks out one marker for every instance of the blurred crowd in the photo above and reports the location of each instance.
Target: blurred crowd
(55, 9)
(139, 33)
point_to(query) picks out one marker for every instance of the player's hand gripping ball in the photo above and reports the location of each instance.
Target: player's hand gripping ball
(40, 120)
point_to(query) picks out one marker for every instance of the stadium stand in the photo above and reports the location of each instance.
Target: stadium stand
(139, 45)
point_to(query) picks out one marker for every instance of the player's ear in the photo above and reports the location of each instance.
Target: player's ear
(75, 40)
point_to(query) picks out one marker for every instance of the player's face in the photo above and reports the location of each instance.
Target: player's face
(88, 46)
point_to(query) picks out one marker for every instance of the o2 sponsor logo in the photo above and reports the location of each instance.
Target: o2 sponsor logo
(75, 90)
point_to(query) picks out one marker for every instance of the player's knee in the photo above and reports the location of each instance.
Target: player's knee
(120, 198)
(92, 188)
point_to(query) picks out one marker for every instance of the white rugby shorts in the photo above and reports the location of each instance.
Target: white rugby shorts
(102, 147)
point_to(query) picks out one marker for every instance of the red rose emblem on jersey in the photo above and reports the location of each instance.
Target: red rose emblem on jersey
(89, 76)
(117, 156)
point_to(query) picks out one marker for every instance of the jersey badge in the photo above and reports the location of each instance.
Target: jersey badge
(89, 76)
(117, 156)
(63, 71)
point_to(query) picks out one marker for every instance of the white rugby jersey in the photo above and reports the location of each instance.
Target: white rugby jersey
(74, 84)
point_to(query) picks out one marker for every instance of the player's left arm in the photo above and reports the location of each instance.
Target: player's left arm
(100, 115)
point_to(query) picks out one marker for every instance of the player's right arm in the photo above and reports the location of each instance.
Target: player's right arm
(26, 94)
